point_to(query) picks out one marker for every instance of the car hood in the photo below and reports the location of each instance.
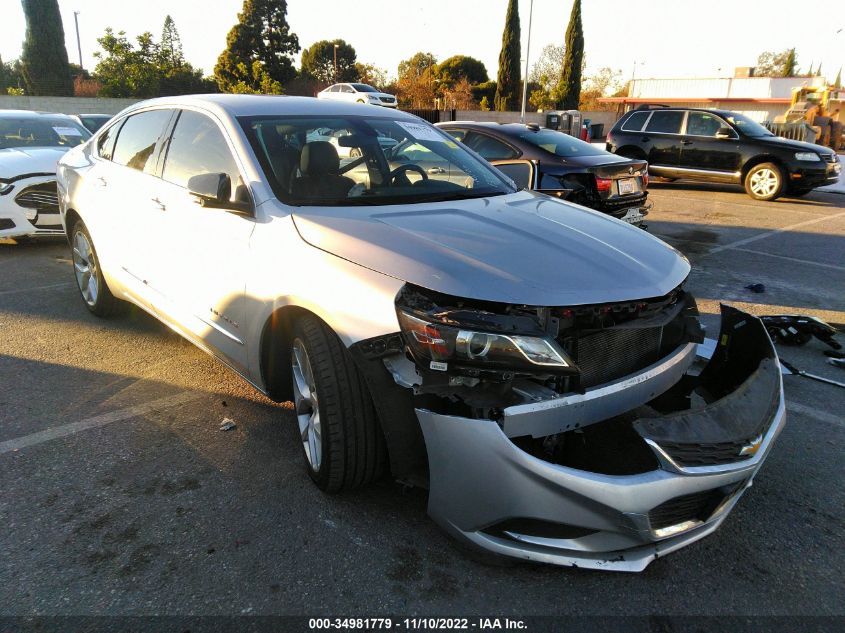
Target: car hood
(798, 146)
(16, 161)
(522, 248)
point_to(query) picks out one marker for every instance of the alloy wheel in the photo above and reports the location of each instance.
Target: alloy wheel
(306, 405)
(85, 267)
(764, 182)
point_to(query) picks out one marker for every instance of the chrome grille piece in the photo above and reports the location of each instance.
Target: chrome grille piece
(43, 197)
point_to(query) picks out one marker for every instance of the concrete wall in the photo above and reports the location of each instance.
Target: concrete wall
(66, 105)
(721, 88)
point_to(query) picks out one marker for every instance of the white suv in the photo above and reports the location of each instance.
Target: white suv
(358, 93)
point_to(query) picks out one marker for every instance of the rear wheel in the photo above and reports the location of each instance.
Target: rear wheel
(92, 285)
(764, 182)
(341, 438)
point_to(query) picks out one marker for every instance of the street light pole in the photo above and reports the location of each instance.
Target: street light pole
(335, 62)
(527, 55)
(78, 44)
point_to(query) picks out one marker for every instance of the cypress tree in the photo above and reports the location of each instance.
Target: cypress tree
(838, 83)
(170, 48)
(44, 62)
(507, 83)
(789, 64)
(570, 76)
(258, 49)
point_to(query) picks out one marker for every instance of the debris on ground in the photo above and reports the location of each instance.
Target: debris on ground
(758, 288)
(800, 372)
(227, 424)
(796, 329)
(836, 362)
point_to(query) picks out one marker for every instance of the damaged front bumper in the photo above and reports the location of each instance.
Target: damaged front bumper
(487, 490)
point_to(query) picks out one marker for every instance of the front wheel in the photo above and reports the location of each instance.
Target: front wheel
(764, 182)
(92, 285)
(340, 434)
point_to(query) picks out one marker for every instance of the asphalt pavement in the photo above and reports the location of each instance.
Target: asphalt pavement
(121, 496)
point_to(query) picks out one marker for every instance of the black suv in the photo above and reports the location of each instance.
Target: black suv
(722, 146)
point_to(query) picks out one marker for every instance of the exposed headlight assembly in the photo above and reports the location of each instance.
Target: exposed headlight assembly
(811, 156)
(441, 345)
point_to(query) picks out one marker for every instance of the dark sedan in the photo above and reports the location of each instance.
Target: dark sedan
(558, 164)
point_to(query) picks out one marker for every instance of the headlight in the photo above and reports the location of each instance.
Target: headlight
(443, 344)
(812, 156)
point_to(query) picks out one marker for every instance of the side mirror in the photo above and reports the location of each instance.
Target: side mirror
(214, 191)
(724, 132)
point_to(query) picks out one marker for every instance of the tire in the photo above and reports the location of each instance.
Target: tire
(764, 182)
(93, 290)
(342, 441)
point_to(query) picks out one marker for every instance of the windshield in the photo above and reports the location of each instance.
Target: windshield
(363, 88)
(747, 126)
(343, 161)
(559, 144)
(41, 132)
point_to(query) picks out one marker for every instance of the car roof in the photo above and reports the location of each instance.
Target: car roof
(237, 105)
(30, 114)
(720, 112)
(505, 128)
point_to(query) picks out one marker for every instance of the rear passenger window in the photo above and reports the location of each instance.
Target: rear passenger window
(634, 123)
(105, 144)
(489, 148)
(198, 147)
(137, 140)
(666, 121)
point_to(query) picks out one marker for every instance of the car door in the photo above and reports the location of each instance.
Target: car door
(124, 189)
(204, 251)
(702, 149)
(661, 138)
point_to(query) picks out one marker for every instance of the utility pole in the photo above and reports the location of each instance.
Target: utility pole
(78, 44)
(335, 62)
(527, 55)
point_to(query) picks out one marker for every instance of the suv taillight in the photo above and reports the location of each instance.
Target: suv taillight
(645, 178)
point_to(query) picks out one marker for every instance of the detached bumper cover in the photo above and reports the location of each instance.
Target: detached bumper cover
(481, 484)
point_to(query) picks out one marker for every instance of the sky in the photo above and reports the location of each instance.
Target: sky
(662, 38)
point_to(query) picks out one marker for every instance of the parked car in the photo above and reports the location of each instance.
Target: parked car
(722, 146)
(92, 122)
(358, 93)
(530, 361)
(30, 145)
(558, 164)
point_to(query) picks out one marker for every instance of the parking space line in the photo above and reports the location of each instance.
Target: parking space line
(812, 412)
(98, 420)
(791, 259)
(762, 236)
(30, 289)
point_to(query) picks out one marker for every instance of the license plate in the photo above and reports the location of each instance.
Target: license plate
(632, 216)
(627, 185)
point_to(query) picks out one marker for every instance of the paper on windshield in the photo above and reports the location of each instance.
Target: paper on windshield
(421, 132)
(66, 131)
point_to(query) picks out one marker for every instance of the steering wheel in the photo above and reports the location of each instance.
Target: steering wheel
(406, 167)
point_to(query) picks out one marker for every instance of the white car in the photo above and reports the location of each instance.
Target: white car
(358, 93)
(493, 345)
(31, 143)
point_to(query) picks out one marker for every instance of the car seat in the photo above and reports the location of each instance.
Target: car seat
(319, 164)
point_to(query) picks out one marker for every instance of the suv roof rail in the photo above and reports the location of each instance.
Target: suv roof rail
(651, 106)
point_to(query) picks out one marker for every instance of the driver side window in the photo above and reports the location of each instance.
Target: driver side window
(198, 147)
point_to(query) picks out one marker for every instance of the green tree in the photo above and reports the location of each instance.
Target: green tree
(170, 48)
(372, 75)
(819, 70)
(259, 49)
(771, 64)
(604, 83)
(319, 61)
(127, 71)
(790, 64)
(415, 87)
(508, 79)
(44, 58)
(451, 70)
(838, 82)
(11, 76)
(570, 77)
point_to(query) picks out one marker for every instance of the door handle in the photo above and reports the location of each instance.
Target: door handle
(160, 204)
(436, 170)
(686, 142)
(645, 139)
(101, 182)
